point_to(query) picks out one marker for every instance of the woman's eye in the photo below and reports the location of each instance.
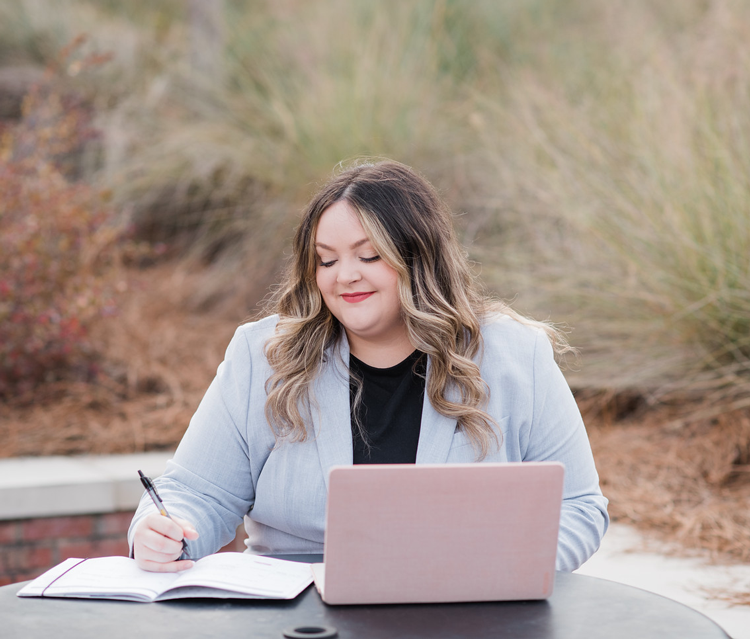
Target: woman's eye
(327, 264)
(370, 259)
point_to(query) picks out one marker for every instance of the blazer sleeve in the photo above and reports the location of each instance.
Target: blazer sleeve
(210, 482)
(557, 433)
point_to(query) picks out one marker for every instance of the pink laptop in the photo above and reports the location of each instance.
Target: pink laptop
(402, 533)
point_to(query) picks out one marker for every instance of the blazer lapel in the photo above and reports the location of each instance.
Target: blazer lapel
(331, 417)
(435, 433)
(332, 420)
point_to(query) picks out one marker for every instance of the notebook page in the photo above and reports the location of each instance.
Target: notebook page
(100, 577)
(319, 575)
(248, 574)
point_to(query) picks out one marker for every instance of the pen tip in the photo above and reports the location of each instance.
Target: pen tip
(141, 474)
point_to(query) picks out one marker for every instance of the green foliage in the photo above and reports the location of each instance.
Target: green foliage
(597, 152)
(636, 172)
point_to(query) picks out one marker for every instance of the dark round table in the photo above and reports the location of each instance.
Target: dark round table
(581, 607)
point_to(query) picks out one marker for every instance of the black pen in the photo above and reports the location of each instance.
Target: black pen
(151, 490)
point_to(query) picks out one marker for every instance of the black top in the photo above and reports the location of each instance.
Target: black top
(390, 412)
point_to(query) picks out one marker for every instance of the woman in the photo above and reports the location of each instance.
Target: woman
(381, 349)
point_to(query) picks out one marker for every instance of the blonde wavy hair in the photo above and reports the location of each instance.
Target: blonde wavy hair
(442, 305)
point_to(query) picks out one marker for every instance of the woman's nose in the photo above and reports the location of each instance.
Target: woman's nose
(348, 272)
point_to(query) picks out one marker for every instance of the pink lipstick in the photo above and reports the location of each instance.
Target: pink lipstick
(352, 298)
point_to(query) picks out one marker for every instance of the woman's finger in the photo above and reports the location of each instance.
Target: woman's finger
(158, 542)
(188, 530)
(162, 525)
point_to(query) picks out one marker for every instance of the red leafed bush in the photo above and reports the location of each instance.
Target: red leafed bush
(58, 245)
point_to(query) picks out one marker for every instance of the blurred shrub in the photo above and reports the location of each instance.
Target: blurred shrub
(597, 153)
(628, 154)
(303, 87)
(58, 244)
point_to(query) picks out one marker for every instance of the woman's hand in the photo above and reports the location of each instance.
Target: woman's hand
(157, 543)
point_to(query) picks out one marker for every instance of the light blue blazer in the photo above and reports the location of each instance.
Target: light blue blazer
(229, 466)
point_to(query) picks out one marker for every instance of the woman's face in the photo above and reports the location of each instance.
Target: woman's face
(358, 287)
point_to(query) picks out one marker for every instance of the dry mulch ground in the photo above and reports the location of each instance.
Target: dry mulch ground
(690, 484)
(158, 360)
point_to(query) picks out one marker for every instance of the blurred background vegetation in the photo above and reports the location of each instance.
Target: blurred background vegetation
(597, 155)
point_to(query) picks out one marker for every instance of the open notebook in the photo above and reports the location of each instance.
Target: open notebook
(226, 575)
(402, 533)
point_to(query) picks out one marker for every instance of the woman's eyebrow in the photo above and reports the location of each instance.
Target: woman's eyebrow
(355, 245)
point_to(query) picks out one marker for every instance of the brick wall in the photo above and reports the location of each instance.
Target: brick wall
(28, 547)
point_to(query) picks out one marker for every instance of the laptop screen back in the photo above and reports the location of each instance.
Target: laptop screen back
(407, 533)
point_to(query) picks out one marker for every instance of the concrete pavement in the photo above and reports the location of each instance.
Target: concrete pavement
(627, 556)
